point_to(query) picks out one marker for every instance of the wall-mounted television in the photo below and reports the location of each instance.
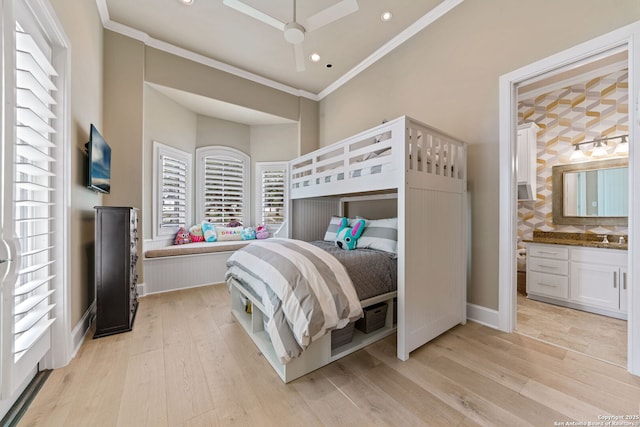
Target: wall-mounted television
(99, 162)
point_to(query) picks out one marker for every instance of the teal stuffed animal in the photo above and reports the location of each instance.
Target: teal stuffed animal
(347, 237)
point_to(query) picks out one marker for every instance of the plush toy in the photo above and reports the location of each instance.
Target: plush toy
(347, 237)
(209, 232)
(234, 223)
(182, 237)
(196, 234)
(248, 233)
(262, 232)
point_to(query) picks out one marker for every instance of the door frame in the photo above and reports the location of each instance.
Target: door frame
(629, 37)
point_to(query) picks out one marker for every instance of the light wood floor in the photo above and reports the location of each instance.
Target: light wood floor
(592, 334)
(187, 363)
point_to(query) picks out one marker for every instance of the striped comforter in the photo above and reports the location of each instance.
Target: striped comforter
(306, 291)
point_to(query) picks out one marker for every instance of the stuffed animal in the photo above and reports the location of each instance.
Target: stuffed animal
(182, 237)
(248, 233)
(262, 232)
(347, 237)
(196, 234)
(234, 223)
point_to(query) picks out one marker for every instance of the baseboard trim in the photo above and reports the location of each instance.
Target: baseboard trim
(141, 289)
(182, 288)
(81, 329)
(483, 315)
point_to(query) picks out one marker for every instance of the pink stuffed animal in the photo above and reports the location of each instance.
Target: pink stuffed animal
(182, 237)
(262, 232)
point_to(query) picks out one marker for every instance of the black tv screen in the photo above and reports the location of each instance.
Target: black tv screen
(99, 164)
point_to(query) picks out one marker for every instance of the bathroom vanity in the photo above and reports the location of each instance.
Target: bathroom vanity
(586, 275)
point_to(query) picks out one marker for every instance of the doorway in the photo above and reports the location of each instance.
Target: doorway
(571, 59)
(566, 109)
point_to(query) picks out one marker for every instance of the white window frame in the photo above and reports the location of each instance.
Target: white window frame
(159, 151)
(223, 152)
(261, 167)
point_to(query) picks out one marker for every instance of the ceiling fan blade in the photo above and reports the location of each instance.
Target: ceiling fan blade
(254, 13)
(299, 55)
(330, 14)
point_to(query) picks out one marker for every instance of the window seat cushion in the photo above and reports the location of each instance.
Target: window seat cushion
(196, 248)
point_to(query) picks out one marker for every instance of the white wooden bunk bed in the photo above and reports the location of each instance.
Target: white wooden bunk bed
(422, 172)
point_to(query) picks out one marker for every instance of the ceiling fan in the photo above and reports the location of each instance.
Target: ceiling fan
(294, 31)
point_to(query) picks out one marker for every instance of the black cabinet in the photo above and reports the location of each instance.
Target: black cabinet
(116, 256)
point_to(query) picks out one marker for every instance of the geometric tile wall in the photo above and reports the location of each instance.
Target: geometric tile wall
(582, 112)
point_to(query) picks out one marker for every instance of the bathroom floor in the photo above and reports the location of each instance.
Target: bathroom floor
(602, 337)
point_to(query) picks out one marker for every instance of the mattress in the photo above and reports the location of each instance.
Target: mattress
(372, 272)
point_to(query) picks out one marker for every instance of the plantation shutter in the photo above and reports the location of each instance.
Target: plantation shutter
(174, 192)
(34, 195)
(224, 182)
(272, 203)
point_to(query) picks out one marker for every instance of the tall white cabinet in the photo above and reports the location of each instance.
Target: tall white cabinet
(527, 155)
(590, 279)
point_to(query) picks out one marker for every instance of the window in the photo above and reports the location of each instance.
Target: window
(271, 194)
(223, 185)
(172, 189)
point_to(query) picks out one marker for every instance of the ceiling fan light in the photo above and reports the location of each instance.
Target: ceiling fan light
(294, 33)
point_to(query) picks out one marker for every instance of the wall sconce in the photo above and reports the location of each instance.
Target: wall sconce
(600, 147)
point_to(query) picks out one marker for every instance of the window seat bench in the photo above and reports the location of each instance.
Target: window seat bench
(187, 266)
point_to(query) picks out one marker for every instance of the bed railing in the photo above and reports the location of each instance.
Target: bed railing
(379, 159)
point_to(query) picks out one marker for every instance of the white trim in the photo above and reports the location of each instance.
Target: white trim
(263, 167)
(422, 23)
(626, 36)
(483, 315)
(81, 329)
(159, 150)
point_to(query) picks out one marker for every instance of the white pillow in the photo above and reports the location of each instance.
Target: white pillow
(380, 234)
(332, 229)
(229, 233)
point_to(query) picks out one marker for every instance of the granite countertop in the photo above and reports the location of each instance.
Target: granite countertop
(579, 239)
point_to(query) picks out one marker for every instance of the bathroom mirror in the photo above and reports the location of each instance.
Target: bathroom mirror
(591, 193)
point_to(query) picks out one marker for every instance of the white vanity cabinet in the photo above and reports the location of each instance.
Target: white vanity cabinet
(590, 279)
(548, 270)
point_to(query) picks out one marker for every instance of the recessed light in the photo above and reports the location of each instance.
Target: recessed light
(315, 57)
(187, 2)
(386, 16)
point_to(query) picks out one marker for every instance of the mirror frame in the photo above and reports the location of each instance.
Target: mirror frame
(558, 172)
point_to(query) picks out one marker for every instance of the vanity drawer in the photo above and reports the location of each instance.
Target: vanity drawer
(599, 256)
(548, 284)
(548, 251)
(547, 265)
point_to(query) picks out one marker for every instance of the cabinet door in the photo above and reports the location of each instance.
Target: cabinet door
(523, 155)
(595, 285)
(624, 281)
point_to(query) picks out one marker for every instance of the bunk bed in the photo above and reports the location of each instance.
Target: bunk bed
(402, 168)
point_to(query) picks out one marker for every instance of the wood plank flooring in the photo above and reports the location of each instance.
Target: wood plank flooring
(598, 336)
(188, 363)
